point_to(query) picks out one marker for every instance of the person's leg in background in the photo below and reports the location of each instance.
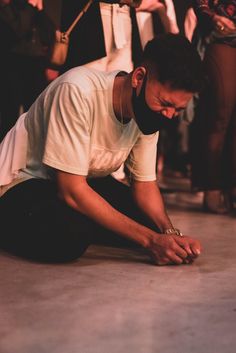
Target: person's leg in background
(232, 191)
(230, 152)
(230, 148)
(214, 122)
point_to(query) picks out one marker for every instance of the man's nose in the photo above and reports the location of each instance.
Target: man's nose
(168, 112)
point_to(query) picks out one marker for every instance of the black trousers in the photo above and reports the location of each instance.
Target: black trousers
(37, 225)
(213, 135)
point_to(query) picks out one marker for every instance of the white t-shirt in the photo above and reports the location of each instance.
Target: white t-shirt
(72, 127)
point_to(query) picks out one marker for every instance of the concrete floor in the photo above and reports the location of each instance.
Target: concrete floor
(114, 301)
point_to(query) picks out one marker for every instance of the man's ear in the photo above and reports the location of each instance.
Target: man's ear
(138, 76)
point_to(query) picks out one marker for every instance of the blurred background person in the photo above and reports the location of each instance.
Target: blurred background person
(27, 33)
(102, 39)
(214, 126)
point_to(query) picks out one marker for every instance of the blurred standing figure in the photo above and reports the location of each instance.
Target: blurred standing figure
(214, 158)
(117, 29)
(103, 37)
(27, 34)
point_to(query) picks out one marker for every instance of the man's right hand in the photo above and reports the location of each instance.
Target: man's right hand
(173, 249)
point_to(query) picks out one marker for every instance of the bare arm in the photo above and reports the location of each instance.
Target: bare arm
(75, 191)
(149, 199)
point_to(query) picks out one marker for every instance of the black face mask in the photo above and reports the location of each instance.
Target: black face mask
(147, 120)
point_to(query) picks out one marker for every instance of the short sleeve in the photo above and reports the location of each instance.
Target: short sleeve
(67, 140)
(141, 161)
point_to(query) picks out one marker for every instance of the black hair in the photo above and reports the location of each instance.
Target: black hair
(175, 61)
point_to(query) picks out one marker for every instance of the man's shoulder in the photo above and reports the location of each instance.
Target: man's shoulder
(84, 77)
(82, 82)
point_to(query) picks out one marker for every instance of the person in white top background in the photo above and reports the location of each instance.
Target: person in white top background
(57, 196)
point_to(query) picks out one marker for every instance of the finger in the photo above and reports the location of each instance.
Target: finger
(184, 243)
(174, 258)
(180, 251)
(177, 260)
(196, 248)
(163, 262)
(188, 249)
(160, 261)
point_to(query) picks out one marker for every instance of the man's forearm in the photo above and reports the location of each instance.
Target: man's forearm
(148, 198)
(85, 200)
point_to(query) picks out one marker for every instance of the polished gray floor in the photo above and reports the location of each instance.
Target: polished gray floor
(115, 301)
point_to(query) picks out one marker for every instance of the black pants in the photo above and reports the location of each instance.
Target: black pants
(37, 225)
(213, 139)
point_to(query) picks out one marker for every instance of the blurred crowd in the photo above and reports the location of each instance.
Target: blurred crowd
(111, 35)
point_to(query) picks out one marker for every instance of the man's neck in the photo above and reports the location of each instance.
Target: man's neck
(121, 96)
